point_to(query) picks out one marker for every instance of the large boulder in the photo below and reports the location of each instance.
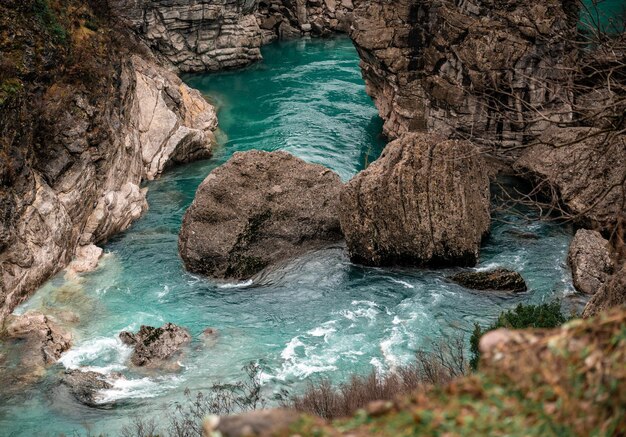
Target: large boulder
(425, 201)
(497, 279)
(153, 346)
(257, 209)
(590, 260)
(612, 294)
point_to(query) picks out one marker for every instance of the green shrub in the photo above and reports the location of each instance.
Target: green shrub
(545, 315)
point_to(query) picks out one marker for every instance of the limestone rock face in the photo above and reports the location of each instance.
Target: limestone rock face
(457, 68)
(203, 35)
(425, 201)
(586, 168)
(155, 345)
(590, 261)
(44, 340)
(257, 209)
(84, 185)
(498, 279)
(612, 294)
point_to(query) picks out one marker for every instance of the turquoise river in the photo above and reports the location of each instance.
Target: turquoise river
(316, 316)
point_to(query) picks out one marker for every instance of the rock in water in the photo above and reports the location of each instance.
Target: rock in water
(84, 386)
(44, 340)
(155, 345)
(258, 209)
(498, 279)
(590, 260)
(425, 201)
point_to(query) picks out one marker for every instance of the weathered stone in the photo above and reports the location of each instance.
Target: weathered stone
(258, 209)
(590, 260)
(153, 346)
(255, 423)
(612, 294)
(147, 119)
(425, 201)
(461, 69)
(84, 386)
(498, 279)
(199, 36)
(44, 340)
(583, 169)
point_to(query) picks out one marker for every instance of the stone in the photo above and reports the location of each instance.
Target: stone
(611, 294)
(84, 386)
(44, 341)
(254, 423)
(425, 201)
(441, 66)
(498, 279)
(258, 209)
(207, 35)
(86, 259)
(577, 168)
(590, 260)
(146, 120)
(153, 346)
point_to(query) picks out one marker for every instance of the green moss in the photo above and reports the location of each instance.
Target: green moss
(10, 88)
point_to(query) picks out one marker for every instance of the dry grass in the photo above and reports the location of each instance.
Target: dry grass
(438, 367)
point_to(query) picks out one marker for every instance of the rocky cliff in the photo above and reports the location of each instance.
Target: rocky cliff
(85, 116)
(500, 73)
(211, 35)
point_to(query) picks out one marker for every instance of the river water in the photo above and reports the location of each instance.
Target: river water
(316, 316)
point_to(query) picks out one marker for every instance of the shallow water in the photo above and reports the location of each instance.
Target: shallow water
(316, 316)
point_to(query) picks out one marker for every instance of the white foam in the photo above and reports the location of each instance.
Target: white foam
(236, 284)
(404, 283)
(106, 349)
(142, 388)
(387, 345)
(325, 330)
(163, 292)
(289, 353)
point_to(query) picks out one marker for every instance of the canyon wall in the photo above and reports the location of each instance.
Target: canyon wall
(509, 76)
(212, 35)
(87, 124)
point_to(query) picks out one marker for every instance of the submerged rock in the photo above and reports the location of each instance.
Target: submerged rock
(425, 201)
(155, 345)
(84, 386)
(611, 294)
(258, 209)
(590, 260)
(498, 279)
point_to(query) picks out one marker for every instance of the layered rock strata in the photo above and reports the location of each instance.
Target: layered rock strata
(258, 209)
(462, 68)
(425, 201)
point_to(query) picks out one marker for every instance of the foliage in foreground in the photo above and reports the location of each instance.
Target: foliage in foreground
(545, 315)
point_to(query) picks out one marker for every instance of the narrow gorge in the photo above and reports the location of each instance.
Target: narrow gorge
(190, 189)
